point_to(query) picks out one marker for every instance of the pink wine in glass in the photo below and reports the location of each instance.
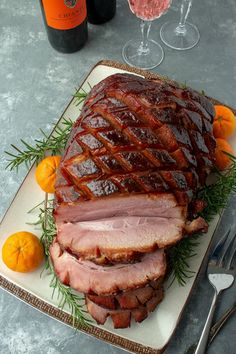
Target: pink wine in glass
(145, 53)
(149, 9)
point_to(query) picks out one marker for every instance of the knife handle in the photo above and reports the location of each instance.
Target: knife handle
(220, 323)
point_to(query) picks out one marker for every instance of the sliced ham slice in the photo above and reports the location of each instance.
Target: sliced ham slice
(127, 300)
(136, 298)
(122, 318)
(145, 205)
(87, 277)
(107, 302)
(120, 238)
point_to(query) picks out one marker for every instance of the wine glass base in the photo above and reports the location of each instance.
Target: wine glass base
(134, 57)
(179, 41)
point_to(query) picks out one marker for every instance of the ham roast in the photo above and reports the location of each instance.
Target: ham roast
(125, 188)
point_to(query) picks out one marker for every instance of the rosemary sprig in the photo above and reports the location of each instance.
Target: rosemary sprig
(216, 195)
(180, 256)
(66, 295)
(183, 85)
(80, 96)
(30, 154)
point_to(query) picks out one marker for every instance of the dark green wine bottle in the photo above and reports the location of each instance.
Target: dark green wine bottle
(100, 11)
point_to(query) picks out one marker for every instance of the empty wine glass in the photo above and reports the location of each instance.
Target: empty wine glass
(145, 53)
(180, 35)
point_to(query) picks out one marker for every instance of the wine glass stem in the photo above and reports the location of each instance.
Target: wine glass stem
(145, 29)
(184, 12)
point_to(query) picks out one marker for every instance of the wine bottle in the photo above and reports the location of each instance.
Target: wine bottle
(66, 24)
(100, 11)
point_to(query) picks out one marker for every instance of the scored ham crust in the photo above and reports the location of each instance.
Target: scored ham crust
(136, 136)
(126, 188)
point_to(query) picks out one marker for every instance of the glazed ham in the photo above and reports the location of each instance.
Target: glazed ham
(126, 187)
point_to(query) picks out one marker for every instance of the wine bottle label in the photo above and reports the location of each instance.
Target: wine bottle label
(64, 14)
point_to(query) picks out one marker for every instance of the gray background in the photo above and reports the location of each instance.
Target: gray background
(36, 83)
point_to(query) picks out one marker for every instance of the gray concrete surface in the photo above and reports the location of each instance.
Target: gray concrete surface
(36, 83)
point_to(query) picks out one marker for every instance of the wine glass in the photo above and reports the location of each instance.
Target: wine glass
(145, 53)
(180, 35)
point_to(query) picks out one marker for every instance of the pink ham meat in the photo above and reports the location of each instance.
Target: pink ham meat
(87, 277)
(122, 318)
(119, 238)
(145, 205)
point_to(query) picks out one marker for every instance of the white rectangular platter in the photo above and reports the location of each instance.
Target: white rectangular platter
(152, 335)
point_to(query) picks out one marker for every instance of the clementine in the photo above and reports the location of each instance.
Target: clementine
(222, 160)
(224, 122)
(46, 173)
(22, 252)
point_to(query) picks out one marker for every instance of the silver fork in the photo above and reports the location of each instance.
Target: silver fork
(221, 276)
